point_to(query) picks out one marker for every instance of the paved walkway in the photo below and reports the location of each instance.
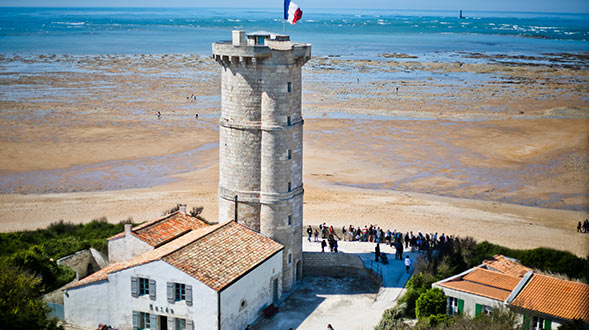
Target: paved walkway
(342, 302)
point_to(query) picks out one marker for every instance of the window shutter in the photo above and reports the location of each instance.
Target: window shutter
(189, 325)
(170, 323)
(477, 310)
(152, 289)
(526, 322)
(460, 306)
(548, 325)
(153, 321)
(188, 295)
(134, 287)
(135, 320)
(171, 292)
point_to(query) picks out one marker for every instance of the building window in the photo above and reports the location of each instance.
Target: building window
(143, 286)
(288, 122)
(289, 154)
(289, 219)
(452, 306)
(144, 321)
(289, 87)
(538, 323)
(179, 324)
(289, 187)
(289, 258)
(487, 310)
(179, 291)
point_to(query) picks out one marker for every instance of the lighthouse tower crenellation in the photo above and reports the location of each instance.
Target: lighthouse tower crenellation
(261, 139)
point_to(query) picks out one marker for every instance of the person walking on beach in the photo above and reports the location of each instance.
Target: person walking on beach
(316, 234)
(323, 245)
(309, 232)
(579, 227)
(407, 263)
(344, 232)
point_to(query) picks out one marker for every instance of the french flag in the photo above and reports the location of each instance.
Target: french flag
(292, 12)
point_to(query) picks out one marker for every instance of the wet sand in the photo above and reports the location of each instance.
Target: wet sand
(455, 150)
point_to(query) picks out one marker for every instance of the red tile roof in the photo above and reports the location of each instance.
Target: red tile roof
(215, 255)
(556, 297)
(484, 283)
(164, 229)
(224, 255)
(491, 278)
(478, 289)
(506, 266)
(155, 254)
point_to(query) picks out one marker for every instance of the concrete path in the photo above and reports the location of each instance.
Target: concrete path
(342, 302)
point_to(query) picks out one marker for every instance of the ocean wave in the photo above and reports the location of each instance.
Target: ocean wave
(69, 23)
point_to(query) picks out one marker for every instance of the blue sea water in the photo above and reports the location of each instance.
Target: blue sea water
(348, 33)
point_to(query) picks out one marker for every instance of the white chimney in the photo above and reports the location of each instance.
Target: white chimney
(128, 229)
(182, 208)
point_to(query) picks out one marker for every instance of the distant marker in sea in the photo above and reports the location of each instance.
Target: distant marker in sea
(460, 15)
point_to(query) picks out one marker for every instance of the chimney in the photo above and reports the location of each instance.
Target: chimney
(127, 229)
(238, 38)
(182, 208)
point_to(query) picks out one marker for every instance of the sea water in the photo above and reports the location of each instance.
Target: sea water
(347, 33)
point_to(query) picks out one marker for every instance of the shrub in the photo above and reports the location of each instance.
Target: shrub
(438, 320)
(36, 262)
(432, 302)
(21, 306)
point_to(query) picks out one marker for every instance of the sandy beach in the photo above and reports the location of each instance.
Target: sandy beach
(495, 149)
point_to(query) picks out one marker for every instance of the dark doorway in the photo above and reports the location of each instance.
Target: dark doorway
(163, 322)
(299, 271)
(275, 291)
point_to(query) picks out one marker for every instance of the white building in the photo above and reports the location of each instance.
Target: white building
(544, 302)
(215, 277)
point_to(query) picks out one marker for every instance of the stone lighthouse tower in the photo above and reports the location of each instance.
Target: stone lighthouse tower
(261, 139)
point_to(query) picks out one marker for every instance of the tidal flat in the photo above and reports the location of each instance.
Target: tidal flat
(491, 133)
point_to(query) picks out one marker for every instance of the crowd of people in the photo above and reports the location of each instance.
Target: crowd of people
(328, 236)
(583, 227)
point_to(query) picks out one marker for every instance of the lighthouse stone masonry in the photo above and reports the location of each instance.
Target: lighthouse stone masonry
(261, 139)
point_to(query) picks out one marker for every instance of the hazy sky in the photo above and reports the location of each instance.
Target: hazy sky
(570, 6)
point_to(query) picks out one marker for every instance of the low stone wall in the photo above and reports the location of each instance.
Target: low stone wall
(336, 265)
(84, 262)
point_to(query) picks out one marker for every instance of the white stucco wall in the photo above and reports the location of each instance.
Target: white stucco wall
(255, 288)
(126, 247)
(203, 311)
(470, 300)
(87, 306)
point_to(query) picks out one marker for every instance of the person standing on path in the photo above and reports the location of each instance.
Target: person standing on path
(407, 263)
(376, 252)
(310, 232)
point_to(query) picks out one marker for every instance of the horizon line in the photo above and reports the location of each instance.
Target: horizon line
(280, 9)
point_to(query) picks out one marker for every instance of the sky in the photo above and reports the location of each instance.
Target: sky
(560, 6)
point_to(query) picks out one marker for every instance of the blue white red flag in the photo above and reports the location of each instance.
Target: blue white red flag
(292, 12)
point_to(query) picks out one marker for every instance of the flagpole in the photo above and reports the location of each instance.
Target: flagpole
(283, 27)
